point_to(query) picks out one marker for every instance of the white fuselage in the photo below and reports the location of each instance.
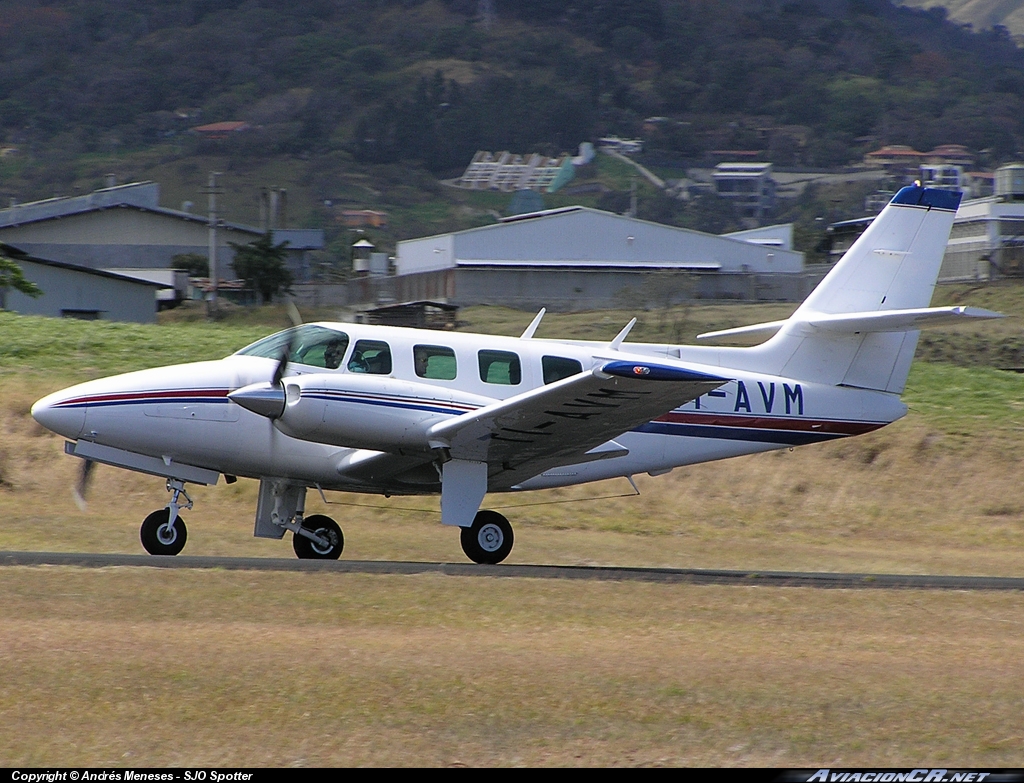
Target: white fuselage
(339, 417)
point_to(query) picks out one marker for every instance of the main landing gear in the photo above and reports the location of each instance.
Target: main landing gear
(489, 539)
(328, 543)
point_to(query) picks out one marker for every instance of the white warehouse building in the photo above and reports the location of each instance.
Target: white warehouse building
(578, 258)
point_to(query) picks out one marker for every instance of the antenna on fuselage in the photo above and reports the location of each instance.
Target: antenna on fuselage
(533, 325)
(617, 341)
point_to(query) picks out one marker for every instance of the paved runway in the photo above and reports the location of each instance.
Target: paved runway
(606, 573)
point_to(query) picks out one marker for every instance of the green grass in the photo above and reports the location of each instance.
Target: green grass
(79, 348)
(954, 397)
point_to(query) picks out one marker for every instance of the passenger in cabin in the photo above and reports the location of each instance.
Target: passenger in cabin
(357, 363)
(421, 359)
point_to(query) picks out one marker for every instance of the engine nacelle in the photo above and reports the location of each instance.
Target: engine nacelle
(358, 411)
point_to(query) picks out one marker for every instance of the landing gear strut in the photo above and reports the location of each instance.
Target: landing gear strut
(489, 539)
(163, 532)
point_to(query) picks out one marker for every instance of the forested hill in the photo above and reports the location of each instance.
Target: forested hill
(431, 81)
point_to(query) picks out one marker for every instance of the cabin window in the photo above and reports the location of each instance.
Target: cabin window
(556, 367)
(314, 346)
(500, 367)
(434, 362)
(372, 357)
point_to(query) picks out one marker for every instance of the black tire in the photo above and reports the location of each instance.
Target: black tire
(305, 549)
(489, 539)
(159, 538)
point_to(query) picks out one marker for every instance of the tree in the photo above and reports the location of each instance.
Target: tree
(11, 276)
(261, 264)
(196, 264)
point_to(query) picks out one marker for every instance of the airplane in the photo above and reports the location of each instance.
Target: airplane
(398, 411)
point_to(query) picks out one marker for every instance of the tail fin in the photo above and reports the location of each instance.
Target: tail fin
(859, 327)
(895, 262)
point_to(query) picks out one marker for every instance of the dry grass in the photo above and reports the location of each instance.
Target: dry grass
(432, 670)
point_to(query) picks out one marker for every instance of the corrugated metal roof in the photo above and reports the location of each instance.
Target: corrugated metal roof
(18, 254)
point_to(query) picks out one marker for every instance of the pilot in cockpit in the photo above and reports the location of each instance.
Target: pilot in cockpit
(333, 354)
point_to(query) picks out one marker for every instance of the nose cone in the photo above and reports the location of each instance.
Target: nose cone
(60, 413)
(266, 399)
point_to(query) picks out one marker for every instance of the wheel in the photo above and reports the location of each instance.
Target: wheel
(489, 539)
(325, 527)
(159, 538)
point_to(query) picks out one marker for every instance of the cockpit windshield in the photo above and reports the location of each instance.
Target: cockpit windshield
(315, 346)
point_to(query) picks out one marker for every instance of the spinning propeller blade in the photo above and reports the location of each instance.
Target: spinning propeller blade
(282, 363)
(82, 485)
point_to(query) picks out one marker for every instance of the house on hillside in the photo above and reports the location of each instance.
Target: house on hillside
(219, 130)
(749, 186)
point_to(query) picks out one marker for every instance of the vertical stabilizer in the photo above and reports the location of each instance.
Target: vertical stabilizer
(894, 265)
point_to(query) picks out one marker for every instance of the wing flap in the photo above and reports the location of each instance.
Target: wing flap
(559, 423)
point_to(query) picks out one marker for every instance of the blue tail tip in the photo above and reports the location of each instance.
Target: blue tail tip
(915, 195)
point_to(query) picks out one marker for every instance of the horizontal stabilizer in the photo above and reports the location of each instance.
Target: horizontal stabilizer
(899, 320)
(878, 321)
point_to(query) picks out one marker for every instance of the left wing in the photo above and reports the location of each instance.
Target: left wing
(559, 423)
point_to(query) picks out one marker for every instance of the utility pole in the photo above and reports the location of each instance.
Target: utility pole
(211, 191)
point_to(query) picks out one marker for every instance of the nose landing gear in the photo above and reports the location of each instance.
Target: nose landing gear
(163, 532)
(160, 536)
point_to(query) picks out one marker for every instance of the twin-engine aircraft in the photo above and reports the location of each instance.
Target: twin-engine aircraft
(358, 408)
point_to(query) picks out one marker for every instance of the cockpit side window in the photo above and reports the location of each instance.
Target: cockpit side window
(314, 346)
(372, 357)
(557, 367)
(434, 362)
(500, 367)
(326, 353)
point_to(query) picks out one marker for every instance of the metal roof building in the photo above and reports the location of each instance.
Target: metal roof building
(124, 226)
(582, 238)
(580, 258)
(71, 291)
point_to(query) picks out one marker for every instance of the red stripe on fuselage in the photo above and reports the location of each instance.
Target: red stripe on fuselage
(170, 394)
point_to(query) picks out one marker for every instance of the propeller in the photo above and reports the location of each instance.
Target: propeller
(82, 485)
(268, 399)
(282, 363)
